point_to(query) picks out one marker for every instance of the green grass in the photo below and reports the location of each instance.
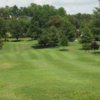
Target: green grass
(48, 74)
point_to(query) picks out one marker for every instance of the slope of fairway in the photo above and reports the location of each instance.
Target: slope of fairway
(48, 74)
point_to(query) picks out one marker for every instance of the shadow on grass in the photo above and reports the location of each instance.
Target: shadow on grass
(40, 47)
(84, 49)
(63, 50)
(16, 40)
(37, 47)
(30, 40)
(96, 52)
(91, 51)
(80, 49)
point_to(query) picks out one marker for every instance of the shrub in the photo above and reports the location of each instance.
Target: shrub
(94, 46)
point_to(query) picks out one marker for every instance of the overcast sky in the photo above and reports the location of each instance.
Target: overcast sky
(71, 6)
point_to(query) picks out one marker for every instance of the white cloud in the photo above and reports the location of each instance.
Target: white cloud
(72, 6)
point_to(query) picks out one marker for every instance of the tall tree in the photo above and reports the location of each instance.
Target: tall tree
(15, 28)
(3, 28)
(96, 24)
(2, 31)
(86, 36)
(63, 41)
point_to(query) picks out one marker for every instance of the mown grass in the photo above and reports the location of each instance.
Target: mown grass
(48, 74)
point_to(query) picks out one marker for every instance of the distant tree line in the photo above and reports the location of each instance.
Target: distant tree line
(49, 26)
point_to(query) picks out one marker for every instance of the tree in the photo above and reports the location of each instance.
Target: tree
(34, 29)
(24, 25)
(61, 11)
(69, 30)
(3, 28)
(86, 36)
(63, 41)
(80, 20)
(40, 18)
(4, 12)
(49, 38)
(15, 28)
(56, 21)
(63, 24)
(96, 24)
(2, 31)
(14, 11)
(71, 35)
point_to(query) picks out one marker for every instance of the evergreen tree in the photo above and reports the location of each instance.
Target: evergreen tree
(96, 24)
(63, 41)
(86, 36)
(49, 38)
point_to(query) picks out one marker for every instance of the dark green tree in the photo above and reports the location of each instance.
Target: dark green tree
(49, 38)
(68, 29)
(63, 41)
(3, 28)
(96, 24)
(15, 28)
(86, 36)
(61, 11)
(2, 31)
(14, 11)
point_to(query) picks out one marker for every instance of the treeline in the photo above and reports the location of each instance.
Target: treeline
(49, 26)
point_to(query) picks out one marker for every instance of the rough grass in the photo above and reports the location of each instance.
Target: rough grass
(48, 74)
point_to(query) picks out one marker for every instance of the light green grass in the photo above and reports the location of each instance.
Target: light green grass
(48, 74)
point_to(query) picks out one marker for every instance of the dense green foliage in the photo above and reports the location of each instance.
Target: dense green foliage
(3, 28)
(91, 32)
(49, 38)
(48, 25)
(96, 24)
(33, 21)
(86, 36)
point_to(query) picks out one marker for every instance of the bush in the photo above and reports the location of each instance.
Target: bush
(94, 46)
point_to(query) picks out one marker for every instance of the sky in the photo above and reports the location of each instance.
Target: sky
(71, 6)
